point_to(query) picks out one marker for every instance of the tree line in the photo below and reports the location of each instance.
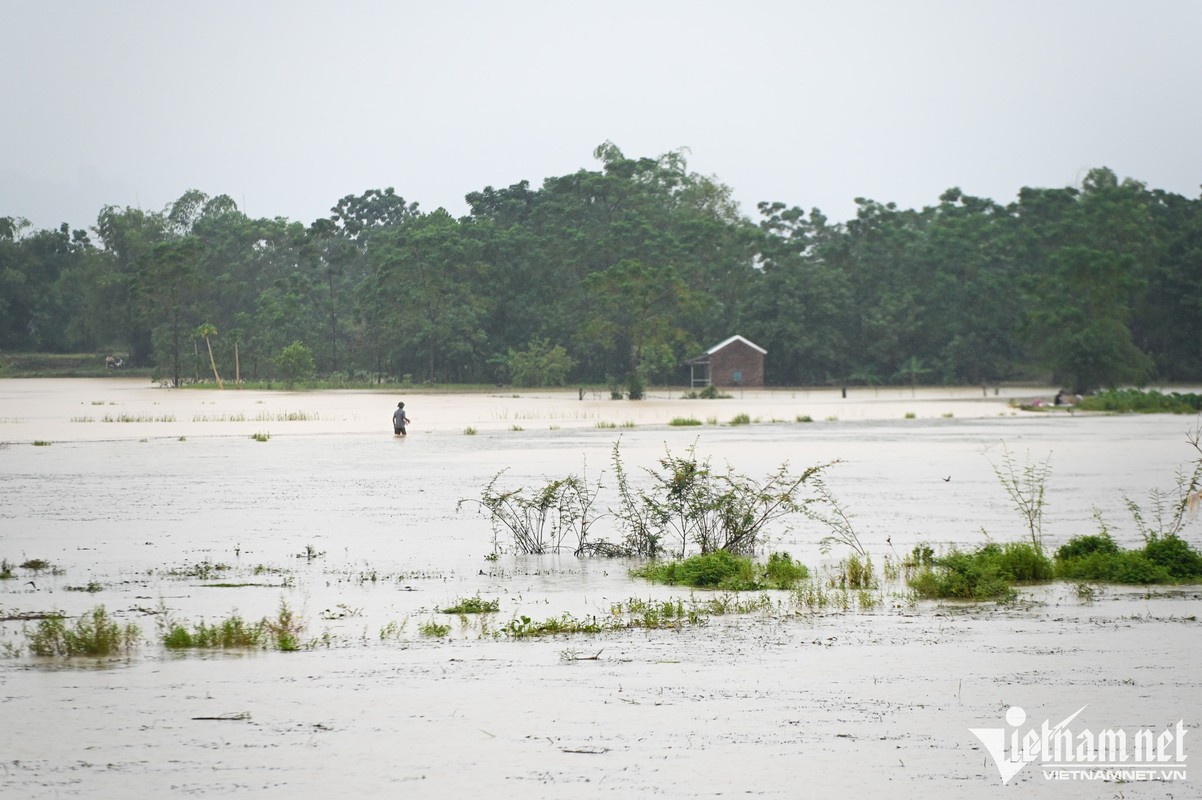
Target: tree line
(621, 273)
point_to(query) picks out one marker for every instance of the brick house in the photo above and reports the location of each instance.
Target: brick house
(733, 362)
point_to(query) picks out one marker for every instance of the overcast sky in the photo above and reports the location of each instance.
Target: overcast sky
(289, 105)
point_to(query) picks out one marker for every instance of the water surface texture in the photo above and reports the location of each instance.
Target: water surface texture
(135, 489)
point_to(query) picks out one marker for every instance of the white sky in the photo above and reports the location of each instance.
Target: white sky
(288, 105)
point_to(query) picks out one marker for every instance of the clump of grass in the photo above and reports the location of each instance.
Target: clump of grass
(804, 418)
(434, 630)
(606, 424)
(740, 419)
(260, 437)
(1162, 559)
(472, 605)
(855, 572)
(91, 587)
(469, 431)
(84, 418)
(123, 417)
(231, 633)
(516, 428)
(393, 630)
(911, 415)
(708, 393)
(6, 570)
(681, 422)
(93, 634)
(204, 570)
(987, 573)
(36, 565)
(311, 553)
(724, 570)
(1137, 400)
(41, 443)
(285, 630)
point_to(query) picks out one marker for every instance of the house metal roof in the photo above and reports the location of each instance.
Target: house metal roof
(725, 343)
(732, 340)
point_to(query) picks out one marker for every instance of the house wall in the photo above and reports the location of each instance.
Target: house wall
(737, 357)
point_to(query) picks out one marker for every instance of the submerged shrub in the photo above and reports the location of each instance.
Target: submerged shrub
(1162, 559)
(230, 633)
(987, 573)
(472, 605)
(94, 634)
(725, 570)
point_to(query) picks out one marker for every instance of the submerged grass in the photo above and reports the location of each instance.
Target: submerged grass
(987, 573)
(472, 605)
(724, 570)
(1162, 560)
(93, 634)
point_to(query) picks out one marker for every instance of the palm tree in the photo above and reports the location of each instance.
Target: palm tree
(206, 330)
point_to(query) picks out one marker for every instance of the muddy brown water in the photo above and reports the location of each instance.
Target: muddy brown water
(359, 531)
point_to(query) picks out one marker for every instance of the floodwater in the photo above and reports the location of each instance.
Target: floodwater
(361, 533)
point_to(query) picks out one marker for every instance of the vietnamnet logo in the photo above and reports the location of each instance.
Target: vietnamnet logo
(1066, 753)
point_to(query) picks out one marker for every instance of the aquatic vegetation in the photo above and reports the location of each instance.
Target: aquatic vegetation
(679, 422)
(93, 634)
(204, 570)
(1162, 559)
(740, 419)
(285, 629)
(1026, 485)
(469, 431)
(724, 570)
(434, 630)
(472, 605)
(231, 633)
(804, 418)
(92, 587)
(1140, 401)
(41, 443)
(123, 417)
(855, 572)
(261, 437)
(37, 565)
(689, 504)
(541, 521)
(987, 573)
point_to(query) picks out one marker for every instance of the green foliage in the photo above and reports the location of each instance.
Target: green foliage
(295, 363)
(680, 422)
(987, 573)
(542, 520)
(539, 364)
(472, 605)
(691, 505)
(1026, 487)
(1162, 559)
(93, 634)
(740, 419)
(724, 570)
(1137, 400)
(627, 266)
(434, 630)
(231, 633)
(285, 629)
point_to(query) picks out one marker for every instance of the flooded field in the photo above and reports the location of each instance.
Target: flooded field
(158, 503)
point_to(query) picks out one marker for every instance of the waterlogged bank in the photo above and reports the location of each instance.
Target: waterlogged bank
(358, 532)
